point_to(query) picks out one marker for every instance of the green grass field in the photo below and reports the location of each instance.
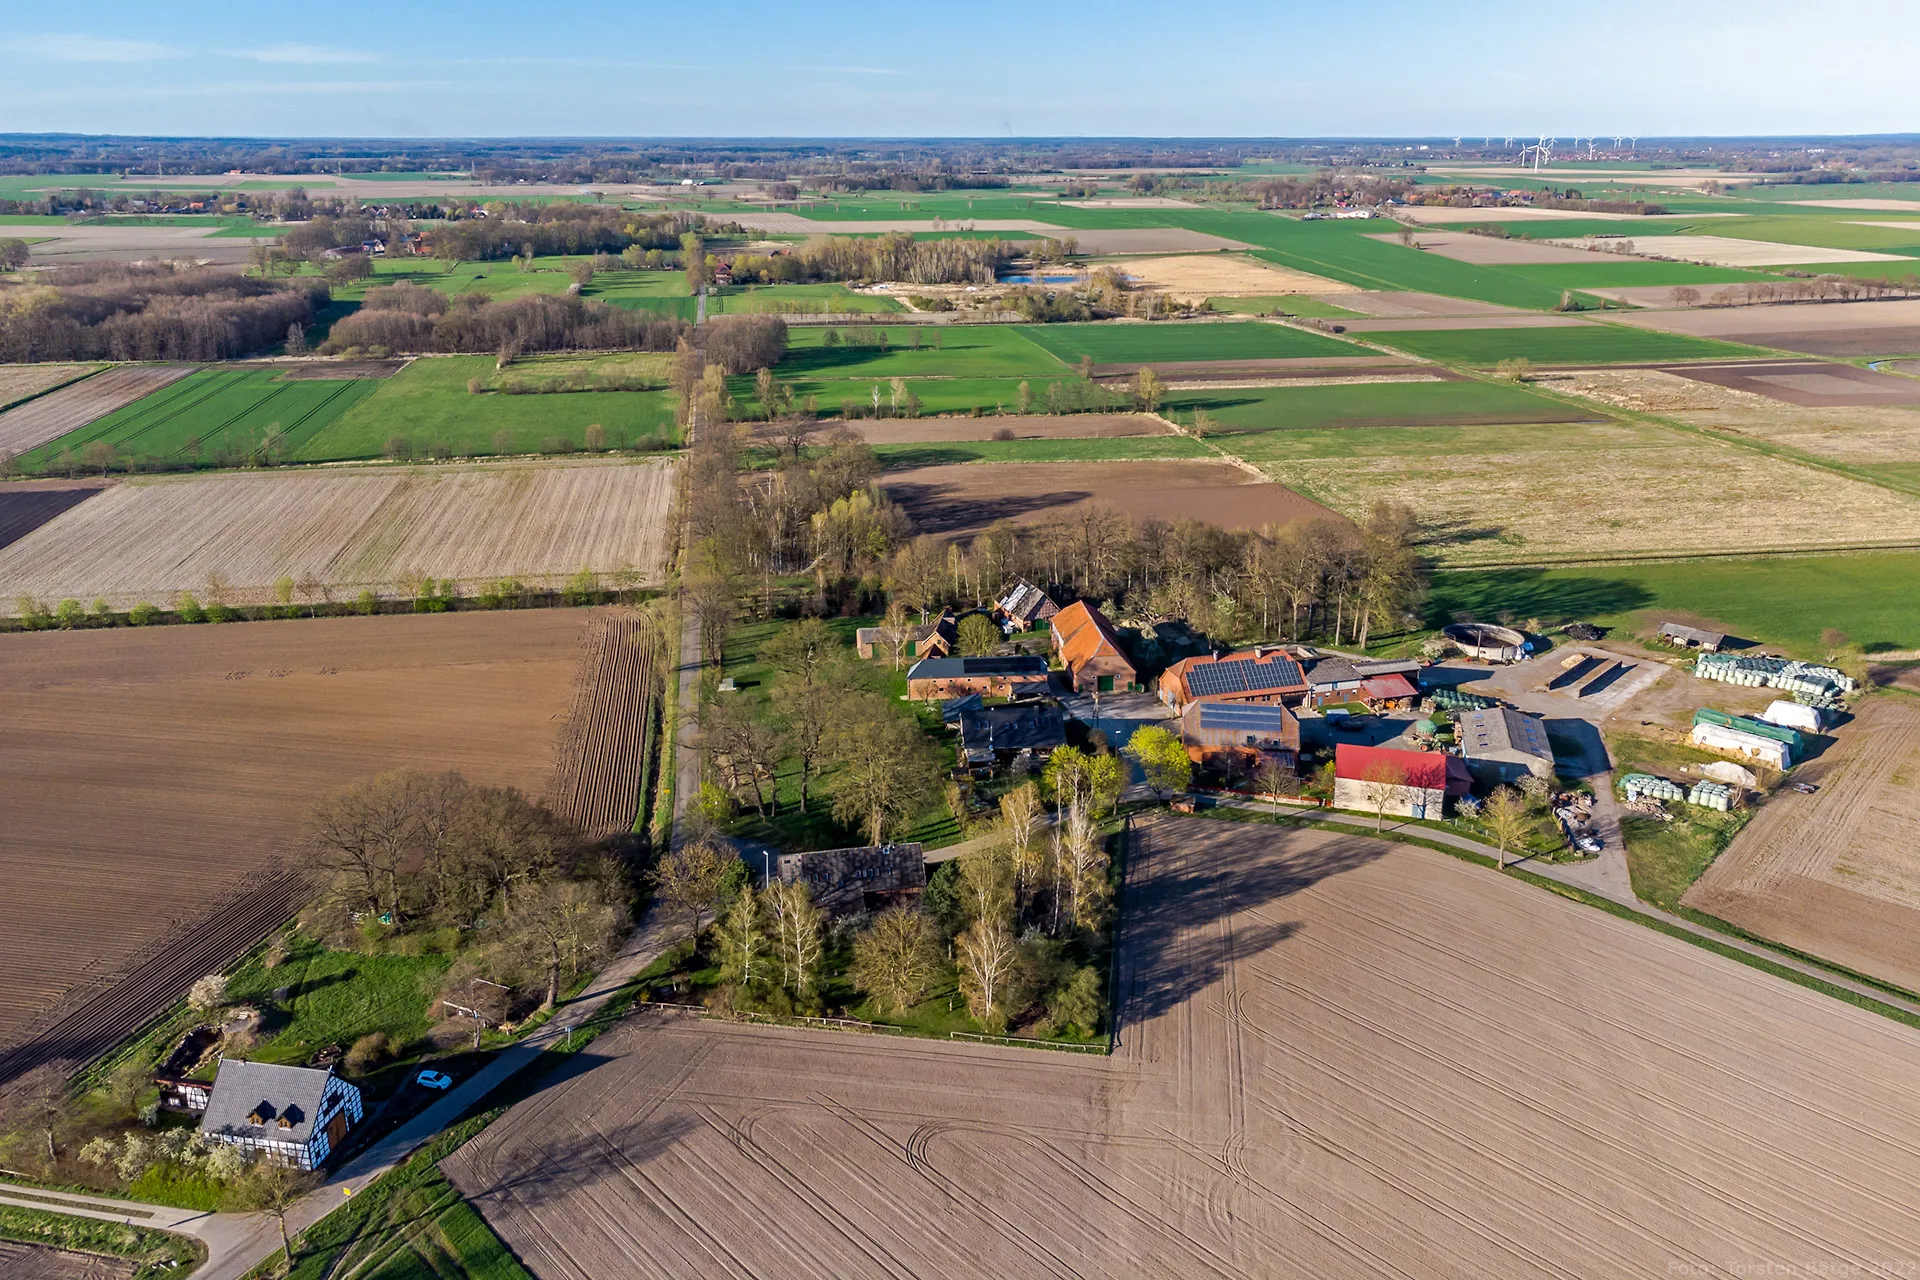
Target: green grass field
(1347, 252)
(428, 405)
(1259, 409)
(937, 395)
(1785, 601)
(963, 351)
(215, 412)
(1116, 449)
(1134, 343)
(1587, 344)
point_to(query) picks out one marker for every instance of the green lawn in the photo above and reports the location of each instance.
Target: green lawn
(1665, 858)
(1586, 344)
(1410, 443)
(1785, 601)
(1126, 343)
(428, 405)
(335, 997)
(1368, 405)
(215, 415)
(1116, 449)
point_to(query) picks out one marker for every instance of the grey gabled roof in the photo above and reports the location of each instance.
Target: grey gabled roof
(244, 1089)
(1487, 732)
(1020, 726)
(955, 668)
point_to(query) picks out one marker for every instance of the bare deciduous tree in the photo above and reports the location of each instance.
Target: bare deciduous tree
(689, 878)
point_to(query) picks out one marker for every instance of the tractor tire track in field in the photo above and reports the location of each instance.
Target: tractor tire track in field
(47, 418)
(1342, 1058)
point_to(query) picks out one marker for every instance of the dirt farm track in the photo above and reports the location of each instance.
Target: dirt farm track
(1337, 1057)
(155, 781)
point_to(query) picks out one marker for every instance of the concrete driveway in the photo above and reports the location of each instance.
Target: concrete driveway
(1575, 723)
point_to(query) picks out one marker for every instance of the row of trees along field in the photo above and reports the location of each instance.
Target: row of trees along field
(506, 231)
(163, 311)
(1019, 922)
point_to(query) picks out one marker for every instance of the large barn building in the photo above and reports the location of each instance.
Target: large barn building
(1245, 735)
(1406, 784)
(1250, 675)
(990, 677)
(1090, 650)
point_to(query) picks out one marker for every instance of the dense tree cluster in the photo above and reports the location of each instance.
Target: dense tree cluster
(893, 256)
(413, 850)
(408, 317)
(115, 311)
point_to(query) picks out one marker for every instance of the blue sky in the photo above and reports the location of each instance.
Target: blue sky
(984, 68)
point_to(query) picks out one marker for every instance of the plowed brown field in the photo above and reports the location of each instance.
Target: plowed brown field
(1836, 874)
(147, 774)
(964, 498)
(602, 754)
(1337, 1058)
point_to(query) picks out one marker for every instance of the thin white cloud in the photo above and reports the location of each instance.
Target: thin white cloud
(230, 89)
(76, 47)
(862, 71)
(312, 55)
(509, 60)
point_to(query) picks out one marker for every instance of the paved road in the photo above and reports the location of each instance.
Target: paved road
(686, 755)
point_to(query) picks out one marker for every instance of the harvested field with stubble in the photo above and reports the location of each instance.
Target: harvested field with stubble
(53, 415)
(21, 381)
(1843, 329)
(1534, 495)
(1361, 1058)
(963, 499)
(1223, 275)
(1039, 426)
(348, 528)
(152, 773)
(1865, 435)
(1836, 874)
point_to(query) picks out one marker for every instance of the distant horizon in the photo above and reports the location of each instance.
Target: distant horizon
(1291, 140)
(1117, 69)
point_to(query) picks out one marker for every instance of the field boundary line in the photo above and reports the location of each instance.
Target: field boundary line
(29, 398)
(1028, 1042)
(1758, 953)
(1765, 448)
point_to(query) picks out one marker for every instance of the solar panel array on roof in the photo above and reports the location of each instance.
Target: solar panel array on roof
(1242, 715)
(1212, 679)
